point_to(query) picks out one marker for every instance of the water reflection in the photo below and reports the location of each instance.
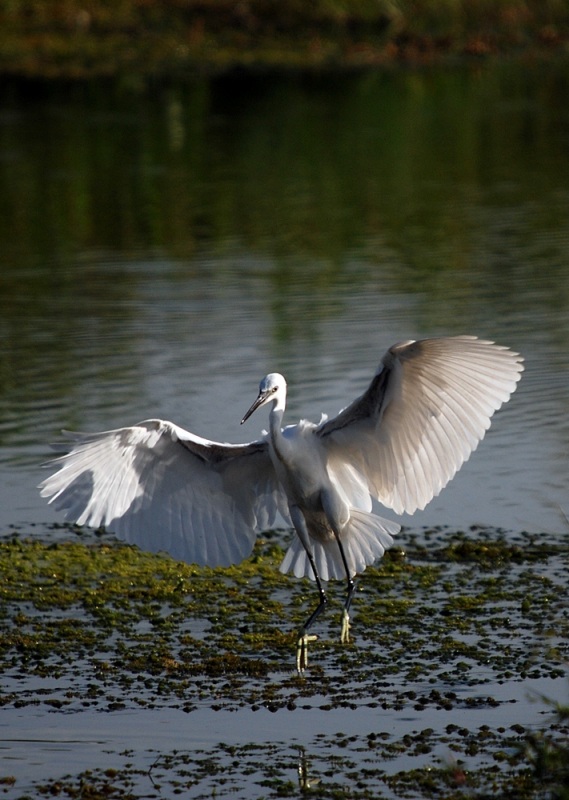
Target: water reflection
(161, 252)
(305, 782)
(307, 169)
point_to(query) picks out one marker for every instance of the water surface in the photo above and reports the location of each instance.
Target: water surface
(160, 252)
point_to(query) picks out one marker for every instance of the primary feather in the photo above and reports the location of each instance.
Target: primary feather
(426, 410)
(161, 487)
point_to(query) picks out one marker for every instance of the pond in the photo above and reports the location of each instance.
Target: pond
(161, 250)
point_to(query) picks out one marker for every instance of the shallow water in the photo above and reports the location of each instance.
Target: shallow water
(459, 656)
(168, 741)
(160, 252)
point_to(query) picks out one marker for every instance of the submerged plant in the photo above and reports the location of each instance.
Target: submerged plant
(549, 758)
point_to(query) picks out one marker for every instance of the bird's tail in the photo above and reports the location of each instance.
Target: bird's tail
(364, 540)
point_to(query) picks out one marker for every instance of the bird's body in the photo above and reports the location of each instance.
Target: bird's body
(400, 442)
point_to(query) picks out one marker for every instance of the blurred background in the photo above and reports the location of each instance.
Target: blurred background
(193, 194)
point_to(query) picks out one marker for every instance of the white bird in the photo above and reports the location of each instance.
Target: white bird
(163, 488)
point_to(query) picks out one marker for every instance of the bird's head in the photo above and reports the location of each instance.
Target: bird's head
(272, 388)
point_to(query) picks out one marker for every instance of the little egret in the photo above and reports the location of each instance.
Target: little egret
(163, 488)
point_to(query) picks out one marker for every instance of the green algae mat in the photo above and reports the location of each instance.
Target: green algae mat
(448, 631)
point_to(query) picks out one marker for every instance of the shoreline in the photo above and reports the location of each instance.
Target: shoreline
(151, 41)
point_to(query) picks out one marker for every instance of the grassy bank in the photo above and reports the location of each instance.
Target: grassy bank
(75, 39)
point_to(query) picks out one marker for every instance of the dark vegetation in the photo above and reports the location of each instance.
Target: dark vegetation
(77, 39)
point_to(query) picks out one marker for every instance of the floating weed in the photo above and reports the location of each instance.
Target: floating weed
(452, 605)
(121, 628)
(332, 765)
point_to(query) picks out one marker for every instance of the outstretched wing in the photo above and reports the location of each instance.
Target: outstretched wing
(162, 488)
(425, 411)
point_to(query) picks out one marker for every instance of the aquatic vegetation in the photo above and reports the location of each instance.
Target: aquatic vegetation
(439, 625)
(548, 757)
(447, 610)
(328, 769)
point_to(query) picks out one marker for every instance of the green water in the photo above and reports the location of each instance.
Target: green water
(299, 168)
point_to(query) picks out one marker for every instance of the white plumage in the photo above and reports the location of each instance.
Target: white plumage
(163, 488)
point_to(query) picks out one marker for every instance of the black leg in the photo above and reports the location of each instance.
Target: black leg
(350, 589)
(304, 638)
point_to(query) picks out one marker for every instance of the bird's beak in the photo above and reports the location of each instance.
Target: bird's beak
(258, 402)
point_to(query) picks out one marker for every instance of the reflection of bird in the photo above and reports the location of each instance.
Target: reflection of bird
(401, 441)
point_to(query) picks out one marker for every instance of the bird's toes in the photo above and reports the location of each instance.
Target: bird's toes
(302, 650)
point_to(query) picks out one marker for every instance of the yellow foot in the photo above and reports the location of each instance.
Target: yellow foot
(345, 635)
(302, 650)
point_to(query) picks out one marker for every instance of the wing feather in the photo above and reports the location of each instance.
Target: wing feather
(156, 485)
(425, 411)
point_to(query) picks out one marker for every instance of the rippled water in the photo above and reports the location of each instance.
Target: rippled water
(160, 252)
(267, 739)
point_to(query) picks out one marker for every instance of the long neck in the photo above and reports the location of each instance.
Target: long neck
(275, 428)
(275, 420)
